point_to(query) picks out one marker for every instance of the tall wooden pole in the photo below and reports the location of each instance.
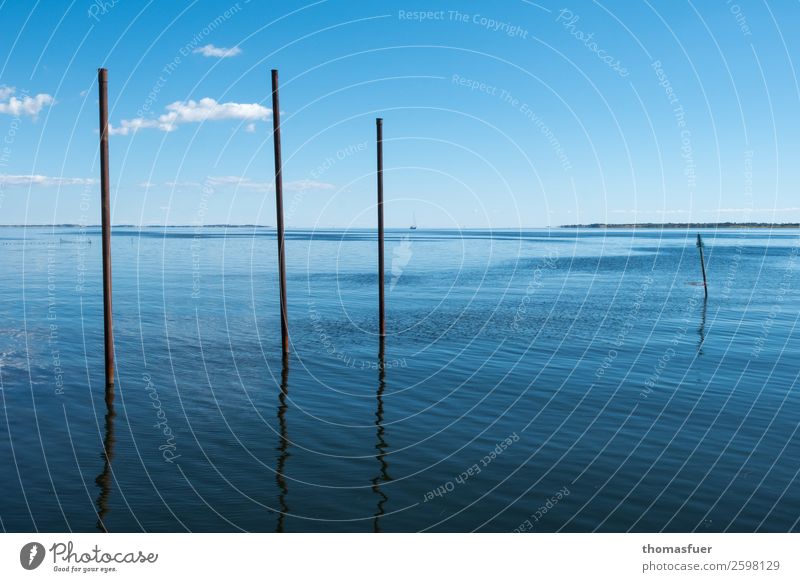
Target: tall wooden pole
(702, 263)
(276, 136)
(108, 330)
(381, 295)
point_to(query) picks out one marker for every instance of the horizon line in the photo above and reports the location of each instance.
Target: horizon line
(593, 226)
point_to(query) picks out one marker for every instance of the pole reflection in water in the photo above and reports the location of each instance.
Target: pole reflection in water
(103, 480)
(702, 329)
(283, 447)
(381, 444)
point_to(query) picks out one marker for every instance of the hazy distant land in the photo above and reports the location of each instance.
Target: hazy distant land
(653, 225)
(687, 225)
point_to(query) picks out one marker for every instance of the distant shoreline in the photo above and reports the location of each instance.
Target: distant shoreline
(685, 225)
(595, 225)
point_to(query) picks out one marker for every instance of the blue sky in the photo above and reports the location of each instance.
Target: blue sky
(497, 114)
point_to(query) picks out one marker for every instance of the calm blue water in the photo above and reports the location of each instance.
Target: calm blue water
(543, 381)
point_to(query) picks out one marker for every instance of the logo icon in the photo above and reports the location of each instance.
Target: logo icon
(401, 255)
(31, 555)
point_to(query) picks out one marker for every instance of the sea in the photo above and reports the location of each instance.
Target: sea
(544, 380)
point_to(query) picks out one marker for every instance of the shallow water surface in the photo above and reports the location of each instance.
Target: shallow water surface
(546, 380)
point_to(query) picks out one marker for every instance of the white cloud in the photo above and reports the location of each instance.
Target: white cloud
(129, 126)
(236, 181)
(191, 111)
(38, 180)
(308, 185)
(208, 109)
(30, 106)
(248, 184)
(251, 128)
(217, 51)
(179, 185)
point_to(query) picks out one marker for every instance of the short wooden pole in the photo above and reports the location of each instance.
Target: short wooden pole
(381, 294)
(702, 263)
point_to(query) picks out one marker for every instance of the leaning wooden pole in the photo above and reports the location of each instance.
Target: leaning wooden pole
(105, 208)
(276, 136)
(702, 263)
(381, 293)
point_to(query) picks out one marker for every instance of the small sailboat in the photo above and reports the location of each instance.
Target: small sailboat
(413, 222)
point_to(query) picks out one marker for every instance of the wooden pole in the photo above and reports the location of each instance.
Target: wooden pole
(381, 295)
(702, 263)
(276, 136)
(108, 330)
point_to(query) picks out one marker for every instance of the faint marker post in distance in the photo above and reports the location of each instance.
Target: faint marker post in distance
(702, 264)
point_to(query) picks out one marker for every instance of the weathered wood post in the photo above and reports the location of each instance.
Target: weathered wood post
(381, 295)
(702, 263)
(276, 136)
(108, 330)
